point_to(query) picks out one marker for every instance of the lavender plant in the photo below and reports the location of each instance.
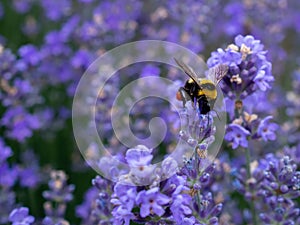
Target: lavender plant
(57, 197)
(45, 47)
(247, 75)
(8, 178)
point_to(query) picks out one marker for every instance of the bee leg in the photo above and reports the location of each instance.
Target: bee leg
(198, 112)
(182, 93)
(192, 90)
(195, 104)
(208, 120)
(199, 107)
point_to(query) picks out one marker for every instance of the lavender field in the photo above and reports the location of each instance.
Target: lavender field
(99, 125)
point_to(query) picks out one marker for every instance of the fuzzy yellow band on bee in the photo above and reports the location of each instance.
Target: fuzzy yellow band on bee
(208, 88)
(209, 94)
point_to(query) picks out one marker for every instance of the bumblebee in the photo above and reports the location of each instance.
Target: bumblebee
(201, 91)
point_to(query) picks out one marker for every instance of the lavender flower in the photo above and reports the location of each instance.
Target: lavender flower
(117, 26)
(293, 153)
(139, 156)
(38, 81)
(84, 211)
(281, 214)
(152, 202)
(122, 215)
(22, 6)
(29, 173)
(237, 135)
(266, 129)
(82, 59)
(102, 209)
(171, 200)
(20, 123)
(60, 194)
(8, 177)
(8, 174)
(249, 70)
(274, 182)
(5, 152)
(172, 21)
(20, 216)
(263, 78)
(7, 68)
(139, 161)
(55, 10)
(180, 207)
(282, 176)
(59, 190)
(125, 195)
(30, 54)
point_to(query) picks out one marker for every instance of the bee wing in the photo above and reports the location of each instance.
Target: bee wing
(217, 73)
(188, 71)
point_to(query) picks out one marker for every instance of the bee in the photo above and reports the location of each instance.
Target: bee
(202, 92)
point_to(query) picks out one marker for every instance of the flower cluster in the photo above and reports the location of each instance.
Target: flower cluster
(57, 197)
(180, 199)
(249, 73)
(8, 177)
(249, 70)
(273, 185)
(52, 44)
(238, 132)
(17, 120)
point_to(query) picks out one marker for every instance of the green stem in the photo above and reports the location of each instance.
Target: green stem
(197, 169)
(248, 161)
(196, 160)
(32, 199)
(252, 206)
